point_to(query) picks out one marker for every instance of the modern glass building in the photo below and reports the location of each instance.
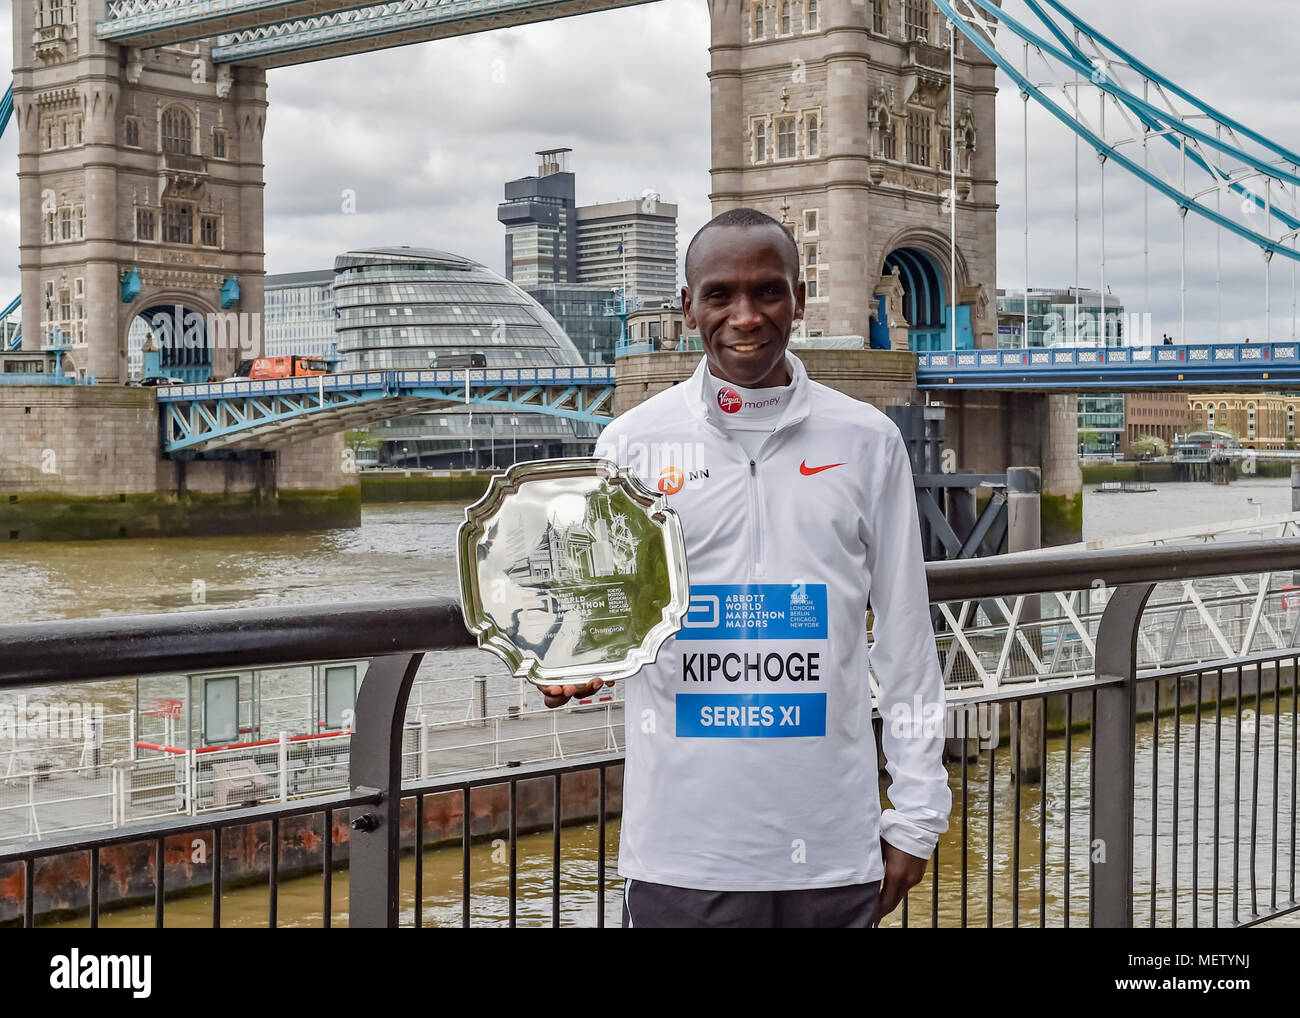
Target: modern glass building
(1067, 317)
(541, 223)
(580, 312)
(402, 308)
(1072, 317)
(1101, 423)
(299, 316)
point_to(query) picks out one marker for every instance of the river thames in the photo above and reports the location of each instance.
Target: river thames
(407, 550)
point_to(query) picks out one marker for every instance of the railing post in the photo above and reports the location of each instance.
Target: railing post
(284, 765)
(375, 765)
(1114, 734)
(191, 781)
(1025, 533)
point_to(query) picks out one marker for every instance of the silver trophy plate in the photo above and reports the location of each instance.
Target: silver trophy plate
(570, 570)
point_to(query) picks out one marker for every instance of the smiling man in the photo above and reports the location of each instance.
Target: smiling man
(751, 794)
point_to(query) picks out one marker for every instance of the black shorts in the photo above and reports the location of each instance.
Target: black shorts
(662, 906)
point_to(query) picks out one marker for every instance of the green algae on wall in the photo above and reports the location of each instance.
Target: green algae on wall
(55, 517)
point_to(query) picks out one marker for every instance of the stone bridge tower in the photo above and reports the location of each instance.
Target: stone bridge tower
(832, 116)
(140, 186)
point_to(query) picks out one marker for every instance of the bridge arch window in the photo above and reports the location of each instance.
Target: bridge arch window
(811, 23)
(144, 224)
(916, 20)
(1250, 420)
(1290, 421)
(131, 132)
(785, 147)
(918, 138)
(813, 134)
(210, 231)
(758, 21)
(218, 144)
(177, 223)
(177, 131)
(785, 18)
(760, 141)
(878, 12)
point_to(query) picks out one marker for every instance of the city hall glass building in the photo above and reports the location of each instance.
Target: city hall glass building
(406, 308)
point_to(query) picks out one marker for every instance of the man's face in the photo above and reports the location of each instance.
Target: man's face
(744, 298)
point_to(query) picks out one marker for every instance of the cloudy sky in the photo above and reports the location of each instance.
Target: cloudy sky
(426, 135)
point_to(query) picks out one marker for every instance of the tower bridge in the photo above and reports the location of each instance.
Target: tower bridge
(866, 127)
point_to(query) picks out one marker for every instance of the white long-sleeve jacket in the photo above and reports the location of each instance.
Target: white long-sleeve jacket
(751, 763)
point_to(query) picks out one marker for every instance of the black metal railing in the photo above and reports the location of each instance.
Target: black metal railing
(1120, 780)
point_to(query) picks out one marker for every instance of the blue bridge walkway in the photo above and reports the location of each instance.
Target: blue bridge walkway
(236, 415)
(1115, 369)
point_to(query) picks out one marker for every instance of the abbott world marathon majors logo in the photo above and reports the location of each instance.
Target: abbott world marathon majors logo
(760, 618)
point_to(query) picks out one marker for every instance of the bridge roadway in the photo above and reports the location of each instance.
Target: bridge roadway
(235, 415)
(1115, 369)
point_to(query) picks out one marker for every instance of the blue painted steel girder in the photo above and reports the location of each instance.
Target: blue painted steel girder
(1008, 27)
(249, 415)
(6, 108)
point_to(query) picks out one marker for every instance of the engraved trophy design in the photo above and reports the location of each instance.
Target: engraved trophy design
(572, 569)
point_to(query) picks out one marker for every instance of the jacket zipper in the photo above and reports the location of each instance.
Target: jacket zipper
(755, 500)
(756, 506)
(756, 528)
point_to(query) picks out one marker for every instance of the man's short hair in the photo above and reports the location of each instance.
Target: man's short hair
(746, 218)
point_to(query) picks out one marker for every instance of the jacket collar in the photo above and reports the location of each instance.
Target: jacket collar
(703, 408)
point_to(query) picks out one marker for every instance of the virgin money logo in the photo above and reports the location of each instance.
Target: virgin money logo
(671, 480)
(729, 400)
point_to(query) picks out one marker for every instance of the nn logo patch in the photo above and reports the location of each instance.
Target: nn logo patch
(673, 479)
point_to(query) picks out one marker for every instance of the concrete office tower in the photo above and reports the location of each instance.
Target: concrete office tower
(541, 224)
(832, 116)
(647, 229)
(140, 183)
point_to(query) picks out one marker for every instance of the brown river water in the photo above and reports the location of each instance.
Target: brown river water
(407, 550)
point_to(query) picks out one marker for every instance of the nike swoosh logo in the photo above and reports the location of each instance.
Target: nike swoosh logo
(808, 471)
